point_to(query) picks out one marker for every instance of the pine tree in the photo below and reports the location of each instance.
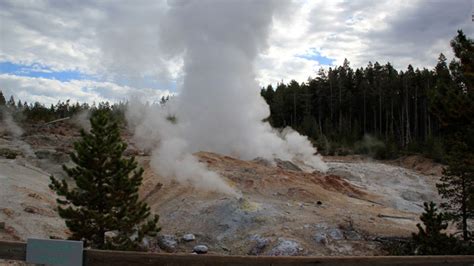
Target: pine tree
(455, 112)
(2, 99)
(457, 185)
(430, 240)
(11, 102)
(105, 194)
(463, 48)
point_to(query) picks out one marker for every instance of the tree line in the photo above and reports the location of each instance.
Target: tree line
(37, 112)
(340, 106)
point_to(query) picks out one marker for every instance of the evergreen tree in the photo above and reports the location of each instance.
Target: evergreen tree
(430, 240)
(105, 194)
(11, 102)
(2, 99)
(463, 48)
(457, 185)
(2, 105)
(455, 111)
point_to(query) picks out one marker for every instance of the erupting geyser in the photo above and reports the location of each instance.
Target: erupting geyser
(218, 107)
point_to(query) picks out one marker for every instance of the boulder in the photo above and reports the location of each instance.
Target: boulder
(285, 248)
(200, 249)
(189, 237)
(167, 242)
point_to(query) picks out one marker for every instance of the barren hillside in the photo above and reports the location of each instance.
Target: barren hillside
(281, 211)
(323, 214)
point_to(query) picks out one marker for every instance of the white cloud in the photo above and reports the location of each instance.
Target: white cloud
(49, 34)
(50, 91)
(120, 40)
(402, 32)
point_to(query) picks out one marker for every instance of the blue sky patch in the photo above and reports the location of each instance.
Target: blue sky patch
(314, 55)
(38, 71)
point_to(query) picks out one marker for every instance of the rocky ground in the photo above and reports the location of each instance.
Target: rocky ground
(281, 211)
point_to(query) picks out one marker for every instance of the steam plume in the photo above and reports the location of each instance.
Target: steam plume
(13, 128)
(15, 131)
(218, 107)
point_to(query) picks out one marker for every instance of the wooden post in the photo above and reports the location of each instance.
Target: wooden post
(12, 250)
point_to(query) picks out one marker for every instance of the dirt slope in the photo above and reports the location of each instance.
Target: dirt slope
(282, 210)
(323, 214)
(27, 206)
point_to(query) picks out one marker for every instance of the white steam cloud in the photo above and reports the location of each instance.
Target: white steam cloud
(11, 127)
(218, 108)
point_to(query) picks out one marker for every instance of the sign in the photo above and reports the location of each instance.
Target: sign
(54, 252)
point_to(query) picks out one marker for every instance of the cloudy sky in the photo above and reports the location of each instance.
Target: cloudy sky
(110, 50)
